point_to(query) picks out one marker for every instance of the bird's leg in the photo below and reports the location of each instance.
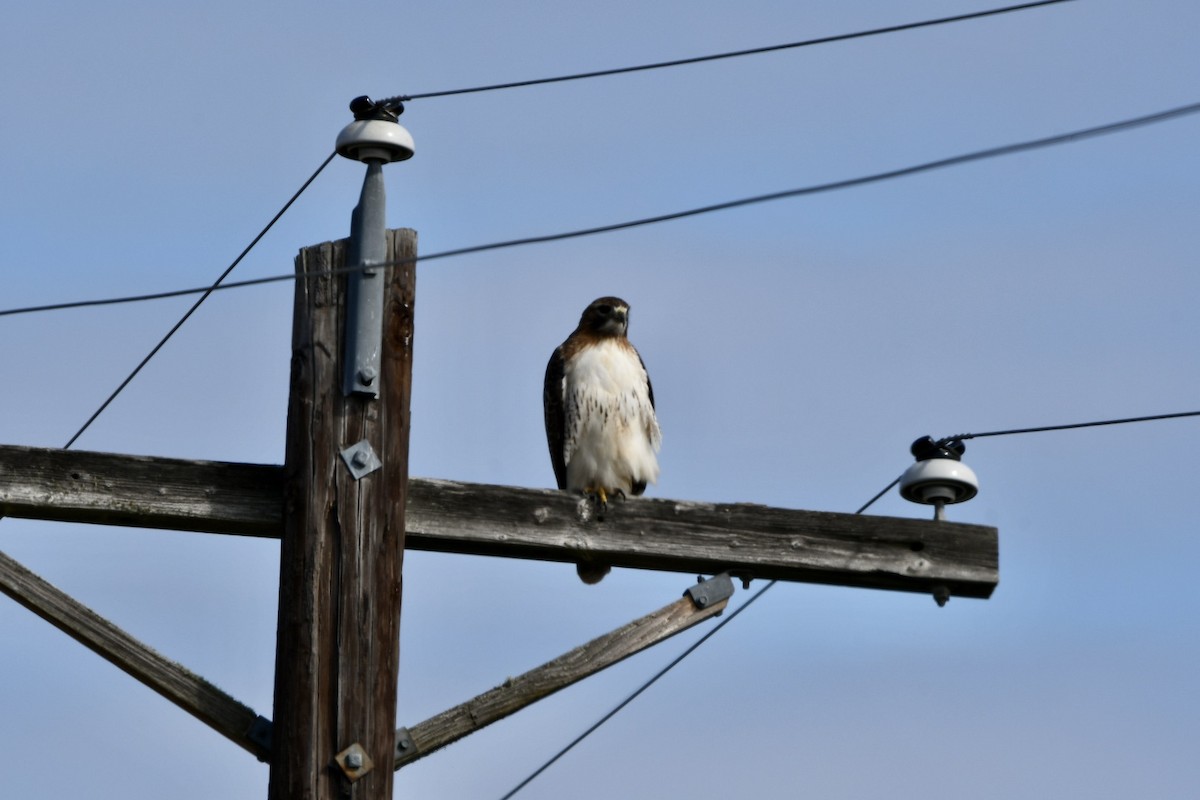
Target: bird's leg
(603, 496)
(599, 498)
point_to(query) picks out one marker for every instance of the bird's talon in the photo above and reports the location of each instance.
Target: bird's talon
(599, 499)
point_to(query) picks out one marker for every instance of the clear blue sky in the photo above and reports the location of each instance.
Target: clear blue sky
(796, 348)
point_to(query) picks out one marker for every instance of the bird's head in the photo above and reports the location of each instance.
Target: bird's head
(608, 316)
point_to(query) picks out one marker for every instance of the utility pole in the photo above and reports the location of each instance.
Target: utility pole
(344, 508)
(345, 486)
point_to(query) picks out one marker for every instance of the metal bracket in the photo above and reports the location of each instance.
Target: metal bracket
(713, 590)
(406, 749)
(360, 459)
(365, 287)
(354, 762)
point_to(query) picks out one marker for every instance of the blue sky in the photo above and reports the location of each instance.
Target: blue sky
(797, 349)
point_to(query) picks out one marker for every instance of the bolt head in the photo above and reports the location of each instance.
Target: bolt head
(367, 375)
(354, 760)
(360, 458)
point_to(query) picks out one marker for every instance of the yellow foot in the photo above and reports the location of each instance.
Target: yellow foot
(599, 497)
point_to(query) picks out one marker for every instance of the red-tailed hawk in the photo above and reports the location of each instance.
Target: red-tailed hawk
(599, 407)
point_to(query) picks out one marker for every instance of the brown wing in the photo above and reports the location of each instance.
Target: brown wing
(649, 386)
(556, 417)
(639, 487)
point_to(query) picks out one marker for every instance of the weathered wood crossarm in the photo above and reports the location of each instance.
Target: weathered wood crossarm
(844, 549)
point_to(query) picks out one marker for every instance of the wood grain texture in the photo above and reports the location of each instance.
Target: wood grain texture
(448, 516)
(744, 539)
(176, 683)
(337, 655)
(517, 693)
(141, 491)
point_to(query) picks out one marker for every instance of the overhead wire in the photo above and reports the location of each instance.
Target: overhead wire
(392, 101)
(1069, 426)
(204, 295)
(207, 291)
(928, 166)
(572, 77)
(695, 645)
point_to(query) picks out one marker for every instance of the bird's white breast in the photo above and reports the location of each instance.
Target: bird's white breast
(611, 430)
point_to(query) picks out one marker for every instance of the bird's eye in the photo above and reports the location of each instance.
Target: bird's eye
(604, 309)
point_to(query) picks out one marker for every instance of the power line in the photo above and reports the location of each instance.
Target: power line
(928, 166)
(881, 493)
(1068, 426)
(391, 101)
(204, 296)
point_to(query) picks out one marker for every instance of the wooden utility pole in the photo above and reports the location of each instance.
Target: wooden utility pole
(341, 504)
(337, 656)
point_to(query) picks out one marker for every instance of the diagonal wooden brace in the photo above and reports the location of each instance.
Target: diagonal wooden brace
(514, 694)
(173, 681)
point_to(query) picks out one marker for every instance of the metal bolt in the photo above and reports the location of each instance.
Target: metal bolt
(354, 761)
(367, 375)
(360, 458)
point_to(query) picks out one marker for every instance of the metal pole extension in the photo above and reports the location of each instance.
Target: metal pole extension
(374, 138)
(364, 293)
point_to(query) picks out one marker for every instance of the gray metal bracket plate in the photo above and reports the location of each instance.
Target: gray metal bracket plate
(360, 459)
(713, 590)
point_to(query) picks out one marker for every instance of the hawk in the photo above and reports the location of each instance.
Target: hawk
(599, 408)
